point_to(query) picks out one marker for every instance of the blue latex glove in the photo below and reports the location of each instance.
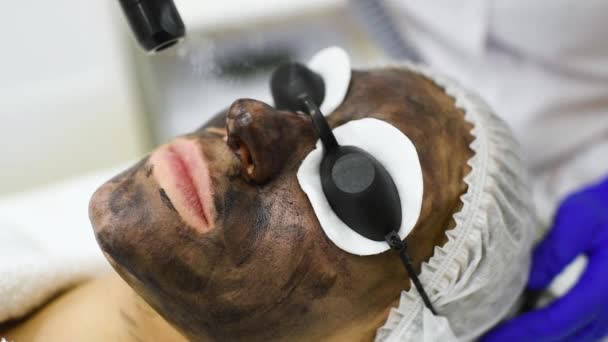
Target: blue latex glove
(580, 227)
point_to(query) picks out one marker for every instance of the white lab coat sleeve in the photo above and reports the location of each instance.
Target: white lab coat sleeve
(542, 66)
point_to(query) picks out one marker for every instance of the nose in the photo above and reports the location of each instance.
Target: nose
(265, 139)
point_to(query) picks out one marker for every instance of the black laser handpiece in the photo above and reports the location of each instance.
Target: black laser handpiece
(156, 24)
(358, 188)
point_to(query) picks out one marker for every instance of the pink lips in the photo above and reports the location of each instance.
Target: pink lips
(182, 172)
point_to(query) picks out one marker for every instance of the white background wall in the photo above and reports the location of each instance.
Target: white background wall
(66, 101)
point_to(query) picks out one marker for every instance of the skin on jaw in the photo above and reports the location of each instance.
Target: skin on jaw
(265, 270)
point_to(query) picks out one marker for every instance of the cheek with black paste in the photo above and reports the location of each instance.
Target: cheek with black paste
(243, 231)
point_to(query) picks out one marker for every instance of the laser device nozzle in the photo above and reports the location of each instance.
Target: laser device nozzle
(156, 24)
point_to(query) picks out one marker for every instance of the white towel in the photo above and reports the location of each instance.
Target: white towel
(47, 243)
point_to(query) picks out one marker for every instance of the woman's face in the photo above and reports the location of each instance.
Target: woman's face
(215, 233)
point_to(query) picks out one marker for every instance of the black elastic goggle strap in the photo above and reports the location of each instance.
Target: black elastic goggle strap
(320, 123)
(400, 246)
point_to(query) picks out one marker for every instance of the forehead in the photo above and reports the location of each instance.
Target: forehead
(403, 98)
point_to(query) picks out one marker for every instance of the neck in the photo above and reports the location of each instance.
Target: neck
(137, 320)
(364, 330)
(108, 309)
(102, 309)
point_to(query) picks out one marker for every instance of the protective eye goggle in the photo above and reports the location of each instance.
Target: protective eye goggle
(358, 188)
